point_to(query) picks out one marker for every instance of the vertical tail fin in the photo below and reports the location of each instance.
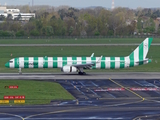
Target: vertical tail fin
(140, 53)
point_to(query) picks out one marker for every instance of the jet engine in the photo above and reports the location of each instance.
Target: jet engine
(69, 69)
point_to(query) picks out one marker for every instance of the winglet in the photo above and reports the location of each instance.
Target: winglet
(92, 55)
(99, 60)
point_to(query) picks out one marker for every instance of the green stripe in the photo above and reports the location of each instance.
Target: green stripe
(131, 57)
(26, 62)
(74, 60)
(122, 62)
(103, 65)
(83, 60)
(16, 63)
(45, 62)
(149, 42)
(93, 61)
(35, 63)
(112, 63)
(64, 59)
(55, 64)
(141, 54)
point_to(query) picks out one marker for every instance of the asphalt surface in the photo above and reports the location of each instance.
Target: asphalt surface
(54, 45)
(98, 75)
(96, 99)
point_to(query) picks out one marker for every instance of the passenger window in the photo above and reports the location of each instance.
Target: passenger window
(11, 61)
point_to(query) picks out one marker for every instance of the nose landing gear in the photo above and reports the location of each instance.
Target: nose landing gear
(20, 71)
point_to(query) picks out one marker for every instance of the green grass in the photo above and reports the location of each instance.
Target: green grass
(78, 41)
(35, 92)
(118, 51)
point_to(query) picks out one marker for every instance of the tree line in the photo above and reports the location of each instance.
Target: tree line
(69, 21)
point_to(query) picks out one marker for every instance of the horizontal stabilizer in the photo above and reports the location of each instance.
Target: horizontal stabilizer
(146, 60)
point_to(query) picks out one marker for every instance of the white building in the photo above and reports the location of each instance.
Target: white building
(10, 11)
(16, 13)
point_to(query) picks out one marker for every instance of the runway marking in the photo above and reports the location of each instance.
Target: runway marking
(81, 118)
(120, 98)
(94, 84)
(89, 89)
(79, 109)
(146, 116)
(78, 89)
(12, 115)
(138, 83)
(127, 89)
(154, 101)
(47, 113)
(102, 89)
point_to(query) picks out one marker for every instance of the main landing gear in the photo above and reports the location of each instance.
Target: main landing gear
(81, 72)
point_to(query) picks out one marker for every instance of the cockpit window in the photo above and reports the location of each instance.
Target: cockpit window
(11, 61)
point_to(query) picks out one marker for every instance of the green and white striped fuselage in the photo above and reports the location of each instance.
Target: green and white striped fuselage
(59, 62)
(77, 64)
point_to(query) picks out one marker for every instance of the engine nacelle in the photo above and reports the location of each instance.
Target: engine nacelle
(69, 69)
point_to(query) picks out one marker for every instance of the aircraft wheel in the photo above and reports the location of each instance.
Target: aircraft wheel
(84, 73)
(81, 73)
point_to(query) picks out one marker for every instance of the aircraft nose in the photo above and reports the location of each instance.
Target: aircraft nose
(7, 65)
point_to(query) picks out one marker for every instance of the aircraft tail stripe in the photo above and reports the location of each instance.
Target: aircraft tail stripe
(145, 48)
(149, 42)
(141, 53)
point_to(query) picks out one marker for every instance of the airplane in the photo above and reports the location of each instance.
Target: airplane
(78, 64)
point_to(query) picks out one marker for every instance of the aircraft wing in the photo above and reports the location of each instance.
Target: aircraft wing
(87, 65)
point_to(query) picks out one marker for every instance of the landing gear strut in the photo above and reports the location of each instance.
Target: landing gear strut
(20, 71)
(81, 72)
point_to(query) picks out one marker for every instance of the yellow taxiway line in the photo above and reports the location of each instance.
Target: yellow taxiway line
(127, 89)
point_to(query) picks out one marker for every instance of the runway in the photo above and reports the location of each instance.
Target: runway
(109, 99)
(56, 45)
(90, 75)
